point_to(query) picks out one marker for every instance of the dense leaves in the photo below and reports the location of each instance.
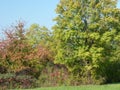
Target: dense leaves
(23, 55)
(83, 48)
(10, 81)
(17, 52)
(87, 34)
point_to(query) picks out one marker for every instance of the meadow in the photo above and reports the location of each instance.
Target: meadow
(83, 87)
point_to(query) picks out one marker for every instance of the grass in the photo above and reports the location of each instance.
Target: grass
(83, 87)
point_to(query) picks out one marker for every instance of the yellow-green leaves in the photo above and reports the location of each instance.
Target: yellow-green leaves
(108, 37)
(88, 32)
(94, 36)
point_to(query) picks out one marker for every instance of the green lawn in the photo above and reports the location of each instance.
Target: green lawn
(83, 87)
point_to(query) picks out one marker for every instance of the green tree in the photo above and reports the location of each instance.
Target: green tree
(40, 39)
(38, 35)
(86, 33)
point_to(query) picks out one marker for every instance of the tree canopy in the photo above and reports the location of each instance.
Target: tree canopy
(87, 34)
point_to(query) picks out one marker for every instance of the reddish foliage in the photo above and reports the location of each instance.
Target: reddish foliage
(16, 53)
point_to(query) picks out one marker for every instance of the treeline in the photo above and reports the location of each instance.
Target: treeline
(83, 47)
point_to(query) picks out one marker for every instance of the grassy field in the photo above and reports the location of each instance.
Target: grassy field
(83, 87)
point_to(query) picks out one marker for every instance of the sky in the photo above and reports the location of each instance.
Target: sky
(41, 12)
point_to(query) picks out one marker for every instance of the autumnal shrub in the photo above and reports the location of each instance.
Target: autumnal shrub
(17, 54)
(12, 81)
(54, 75)
(21, 58)
(14, 48)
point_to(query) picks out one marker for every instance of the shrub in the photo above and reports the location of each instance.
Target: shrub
(54, 75)
(2, 69)
(12, 81)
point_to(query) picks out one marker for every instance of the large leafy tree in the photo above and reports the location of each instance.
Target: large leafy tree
(87, 33)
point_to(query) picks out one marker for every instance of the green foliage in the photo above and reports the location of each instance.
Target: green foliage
(40, 39)
(38, 35)
(86, 35)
